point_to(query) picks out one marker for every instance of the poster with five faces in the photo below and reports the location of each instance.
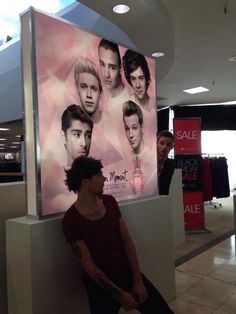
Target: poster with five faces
(95, 98)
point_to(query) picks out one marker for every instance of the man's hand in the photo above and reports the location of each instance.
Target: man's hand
(127, 301)
(139, 292)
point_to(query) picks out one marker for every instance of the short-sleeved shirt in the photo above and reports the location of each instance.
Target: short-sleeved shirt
(101, 236)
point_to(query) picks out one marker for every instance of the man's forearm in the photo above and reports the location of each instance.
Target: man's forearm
(76, 249)
(133, 259)
(96, 274)
(103, 281)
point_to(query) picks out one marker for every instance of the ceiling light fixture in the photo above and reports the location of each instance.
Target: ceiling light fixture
(121, 8)
(233, 59)
(4, 129)
(3, 139)
(196, 90)
(158, 54)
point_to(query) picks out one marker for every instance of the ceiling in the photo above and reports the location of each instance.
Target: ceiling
(197, 37)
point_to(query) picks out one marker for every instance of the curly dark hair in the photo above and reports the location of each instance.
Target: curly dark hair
(82, 168)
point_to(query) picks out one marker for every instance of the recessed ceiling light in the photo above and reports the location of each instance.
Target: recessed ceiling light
(121, 8)
(16, 143)
(196, 90)
(2, 148)
(2, 144)
(13, 146)
(3, 139)
(158, 54)
(4, 129)
(233, 58)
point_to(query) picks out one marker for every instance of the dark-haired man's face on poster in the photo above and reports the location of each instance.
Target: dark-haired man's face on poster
(77, 139)
(110, 69)
(138, 82)
(89, 92)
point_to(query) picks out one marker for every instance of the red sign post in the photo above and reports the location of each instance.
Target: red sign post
(193, 210)
(187, 139)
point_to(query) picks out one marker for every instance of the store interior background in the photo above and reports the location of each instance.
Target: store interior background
(198, 42)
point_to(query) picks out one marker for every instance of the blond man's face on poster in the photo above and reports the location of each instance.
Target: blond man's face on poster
(89, 92)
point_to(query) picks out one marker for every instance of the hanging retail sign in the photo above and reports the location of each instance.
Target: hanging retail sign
(193, 210)
(187, 135)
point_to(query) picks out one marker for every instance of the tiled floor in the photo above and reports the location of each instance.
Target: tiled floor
(207, 282)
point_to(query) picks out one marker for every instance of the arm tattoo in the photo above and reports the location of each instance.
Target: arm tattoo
(101, 279)
(104, 282)
(76, 249)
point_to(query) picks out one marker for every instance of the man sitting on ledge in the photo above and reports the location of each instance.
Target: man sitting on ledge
(95, 229)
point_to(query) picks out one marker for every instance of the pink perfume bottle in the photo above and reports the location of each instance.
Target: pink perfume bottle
(137, 178)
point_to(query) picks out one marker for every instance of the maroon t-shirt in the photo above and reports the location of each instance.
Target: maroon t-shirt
(102, 237)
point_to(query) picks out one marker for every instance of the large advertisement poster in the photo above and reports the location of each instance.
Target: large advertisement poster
(95, 98)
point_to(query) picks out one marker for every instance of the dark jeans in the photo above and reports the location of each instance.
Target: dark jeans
(102, 302)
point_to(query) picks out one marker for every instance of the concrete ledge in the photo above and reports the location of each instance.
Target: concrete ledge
(12, 205)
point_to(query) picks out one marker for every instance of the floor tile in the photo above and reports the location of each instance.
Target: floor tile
(202, 264)
(225, 249)
(209, 292)
(184, 281)
(226, 272)
(180, 306)
(229, 306)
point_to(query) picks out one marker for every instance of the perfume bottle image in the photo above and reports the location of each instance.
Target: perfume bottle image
(137, 177)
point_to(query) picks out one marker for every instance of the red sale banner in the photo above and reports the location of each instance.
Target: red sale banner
(187, 135)
(193, 210)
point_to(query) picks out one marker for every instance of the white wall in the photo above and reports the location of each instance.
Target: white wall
(12, 204)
